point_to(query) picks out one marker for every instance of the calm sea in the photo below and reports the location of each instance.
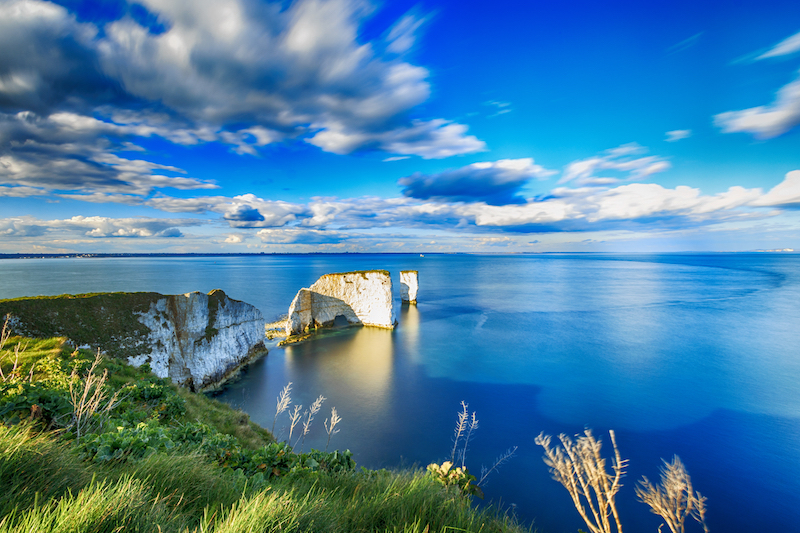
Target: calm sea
(696, 355)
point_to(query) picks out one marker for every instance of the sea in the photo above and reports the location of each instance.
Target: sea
(689, 355)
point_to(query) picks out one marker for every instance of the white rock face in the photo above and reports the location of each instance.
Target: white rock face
(409, 283)
(362, 298)
(198, 339)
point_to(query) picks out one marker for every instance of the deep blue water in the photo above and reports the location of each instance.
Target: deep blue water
(695, 355)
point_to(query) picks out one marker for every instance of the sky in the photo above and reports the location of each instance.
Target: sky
(249, 126)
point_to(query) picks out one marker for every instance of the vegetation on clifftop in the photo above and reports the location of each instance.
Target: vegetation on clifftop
(104, 320)
(164, 459)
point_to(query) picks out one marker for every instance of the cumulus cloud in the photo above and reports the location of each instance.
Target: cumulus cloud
(777, 118)
(244, 211)
(370, 221)
(433, 139)
(497, 183)
(623, 162)
(245, 73)
(235, 238)
(677, 135)
(66, 151)
(784, 194)
(97, 227)
(766, 122)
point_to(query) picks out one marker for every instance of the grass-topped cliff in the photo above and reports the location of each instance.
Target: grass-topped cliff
(114, 448)
(104, 320)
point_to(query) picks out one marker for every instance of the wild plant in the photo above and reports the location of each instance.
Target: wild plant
(502, 458)
(88, 399)
(459, 477)
(309, 415)
(446, 474)
(305, 419)
(581, 469)
(465, 425)
(284, 400)
(294, 419)
(335, 419)
(13, 374)
(674, 499)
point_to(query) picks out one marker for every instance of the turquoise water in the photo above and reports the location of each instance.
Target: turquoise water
(695, 355)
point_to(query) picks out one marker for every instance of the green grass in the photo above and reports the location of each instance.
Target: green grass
(104, 320)
(225, 419)
(231, 478)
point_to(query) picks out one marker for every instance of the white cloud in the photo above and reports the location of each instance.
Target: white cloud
(240, 72)
(677, 135)
(788, 46)
(501, 108)
(69, 152)
(495, 182)
(403, 34)
(433, 139)
(235, 238)
(244, 211)
(300, 236)
(784, 194)
(765, 122)
(619, 160)
(97, 227)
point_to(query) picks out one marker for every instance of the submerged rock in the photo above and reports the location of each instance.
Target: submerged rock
(355, 298)
(409, 283)
(199, 340)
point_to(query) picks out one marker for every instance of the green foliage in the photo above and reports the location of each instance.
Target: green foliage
(31, 401)
(127, 442)
(458, 477)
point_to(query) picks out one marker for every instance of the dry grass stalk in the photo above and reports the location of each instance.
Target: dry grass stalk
(88, 397)
(14, 373)
(461, 427)
(466, 424)
(674, 499)
(309, 415)
(284, 400)
(581, 469)
(335, 419)
(294, 419)
(508, 454)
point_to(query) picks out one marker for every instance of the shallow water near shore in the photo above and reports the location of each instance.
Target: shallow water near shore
(696, 355)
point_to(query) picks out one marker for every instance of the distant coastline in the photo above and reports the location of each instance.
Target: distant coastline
(222, 254)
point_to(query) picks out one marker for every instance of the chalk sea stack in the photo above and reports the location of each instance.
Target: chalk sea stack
(354, 298)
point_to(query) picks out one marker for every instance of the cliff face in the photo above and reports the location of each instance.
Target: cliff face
(198, 340)
(409, 283)
(360, 298)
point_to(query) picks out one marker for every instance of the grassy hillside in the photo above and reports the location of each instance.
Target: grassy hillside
(162, 459)
(104, 320)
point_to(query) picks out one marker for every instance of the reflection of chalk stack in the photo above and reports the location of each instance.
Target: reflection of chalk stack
(409, 283)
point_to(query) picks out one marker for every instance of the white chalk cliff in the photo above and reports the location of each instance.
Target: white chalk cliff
(362, 298)
(409, 284)
(198, 340)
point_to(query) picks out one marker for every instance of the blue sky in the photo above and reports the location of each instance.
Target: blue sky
(344, 125)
